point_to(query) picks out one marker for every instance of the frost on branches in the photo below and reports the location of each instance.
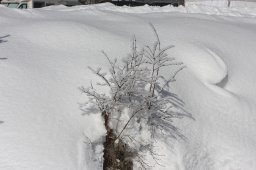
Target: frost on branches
(139, 106)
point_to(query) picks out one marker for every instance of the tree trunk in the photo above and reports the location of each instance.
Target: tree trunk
(117, 156)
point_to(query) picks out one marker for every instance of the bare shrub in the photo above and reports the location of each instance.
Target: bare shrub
(139, 106)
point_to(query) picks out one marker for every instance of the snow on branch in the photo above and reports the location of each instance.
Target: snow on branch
(138, 98)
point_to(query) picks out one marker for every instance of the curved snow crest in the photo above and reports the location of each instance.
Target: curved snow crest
(205, 64)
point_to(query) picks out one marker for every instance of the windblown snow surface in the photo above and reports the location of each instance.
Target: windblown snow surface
(48, 51)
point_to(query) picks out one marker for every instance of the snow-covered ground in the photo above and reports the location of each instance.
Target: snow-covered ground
(223, 3)
(48, 51)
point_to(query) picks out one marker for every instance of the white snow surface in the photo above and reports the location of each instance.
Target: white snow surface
(223, 3)
(48, 51)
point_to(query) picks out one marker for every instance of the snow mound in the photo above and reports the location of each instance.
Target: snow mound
(203, 62)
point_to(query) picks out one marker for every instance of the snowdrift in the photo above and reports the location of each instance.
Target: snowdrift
(48, 51)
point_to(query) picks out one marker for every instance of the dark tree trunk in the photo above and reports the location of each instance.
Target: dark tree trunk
(116, 155)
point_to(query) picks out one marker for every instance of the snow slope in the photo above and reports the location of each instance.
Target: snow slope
(48, 51)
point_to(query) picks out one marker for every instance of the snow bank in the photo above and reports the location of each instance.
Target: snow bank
(190, 8)
(48, 52)
(245, 4)
(223, 3)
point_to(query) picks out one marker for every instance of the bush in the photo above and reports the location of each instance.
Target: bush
(139, 106)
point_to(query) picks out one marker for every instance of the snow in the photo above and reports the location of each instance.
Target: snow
(208, 2)
(223, 3)
(48, 51)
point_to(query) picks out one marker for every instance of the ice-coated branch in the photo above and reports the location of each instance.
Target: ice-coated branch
(101, 75)
(138, 94)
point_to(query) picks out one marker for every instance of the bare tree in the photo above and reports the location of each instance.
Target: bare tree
(139, 100)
